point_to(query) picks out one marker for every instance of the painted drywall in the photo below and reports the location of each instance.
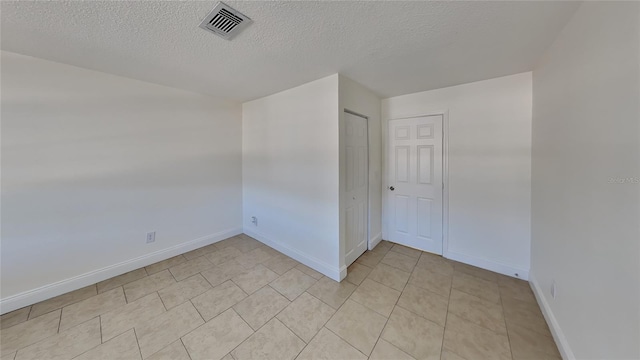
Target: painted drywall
(586, 183)
(290, 173)
(91, 162)
(489, 162)
(356, 98)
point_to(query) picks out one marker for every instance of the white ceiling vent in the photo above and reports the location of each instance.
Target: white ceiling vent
(225, 21)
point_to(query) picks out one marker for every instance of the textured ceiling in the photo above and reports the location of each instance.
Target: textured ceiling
(393, 48)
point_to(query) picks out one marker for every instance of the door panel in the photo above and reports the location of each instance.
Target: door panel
(356, 191)
(415, 182)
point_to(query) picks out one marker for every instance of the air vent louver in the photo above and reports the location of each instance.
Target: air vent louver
(225, 21)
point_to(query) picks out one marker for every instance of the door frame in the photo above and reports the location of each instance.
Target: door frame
(342, 229)
(445, 174)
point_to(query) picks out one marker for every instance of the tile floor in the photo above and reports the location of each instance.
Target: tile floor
(238, 299)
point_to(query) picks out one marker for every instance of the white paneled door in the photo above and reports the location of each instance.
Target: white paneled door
(356, 183)
(415, 184)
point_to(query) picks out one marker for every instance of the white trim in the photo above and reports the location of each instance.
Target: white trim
(334, 273)
(488, 265)
(375, 241)
(445, 174)
(342, 225)
(556, 331)
(64, 286)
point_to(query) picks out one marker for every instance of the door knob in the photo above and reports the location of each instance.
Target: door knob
(391, 188)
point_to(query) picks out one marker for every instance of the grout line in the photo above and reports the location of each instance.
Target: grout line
(101, 338)
(28, 315)
(185, 348)
(198, 311)
(138, 342)
(358, 350)
(60, 321)
(162, 301)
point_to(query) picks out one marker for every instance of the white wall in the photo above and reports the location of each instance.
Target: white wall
(489, 157)
(91, 162)
(290, 173)
(357, 98)
(586, 183)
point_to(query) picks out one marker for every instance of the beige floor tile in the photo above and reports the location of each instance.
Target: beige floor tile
(371, 258)
(226, 242)
(175, 351)
(280, 264)
(120, 280)
(217, 300)
(475, 271)
(155, 334)
(65, 345)
(357, 325)
(389, 276)
(252, 258)
(165, 264)
(386, 351)
(306, 316)
(333, 293)
(246, 243)
(519, 291)
(527, 344)
(293, 283)
(472, 341)
(63, 300)
(357, 272)
(270, 251)
(376, 297)
(15, 317)
(190, 268)
(431, 280)
(223, 255)
(8, 356)
(84, 310)
(217, 337)
(152, 283)
(328, 346)
(405, 250)
(425, 303)
(435, 263)
(449, 355)
(530, 320)
(200, 251)
(309, 271)
(184, 290)
(413, 334)
(254, 279)
(383, 247)
(128, 316)
(29, 332)
(399, 261)
(124, 347)
(484, 289)
(478, 311)
(510, 305)
(273, 341)
(260, 307)
(223, 272)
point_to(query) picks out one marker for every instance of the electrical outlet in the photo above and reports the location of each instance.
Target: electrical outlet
(553, 289)
(254, 220)
(151, 237)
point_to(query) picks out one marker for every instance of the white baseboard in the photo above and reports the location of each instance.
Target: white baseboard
(334, 273)
(558, 335)
(488, 265)
(375, 241)
(45, 292)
